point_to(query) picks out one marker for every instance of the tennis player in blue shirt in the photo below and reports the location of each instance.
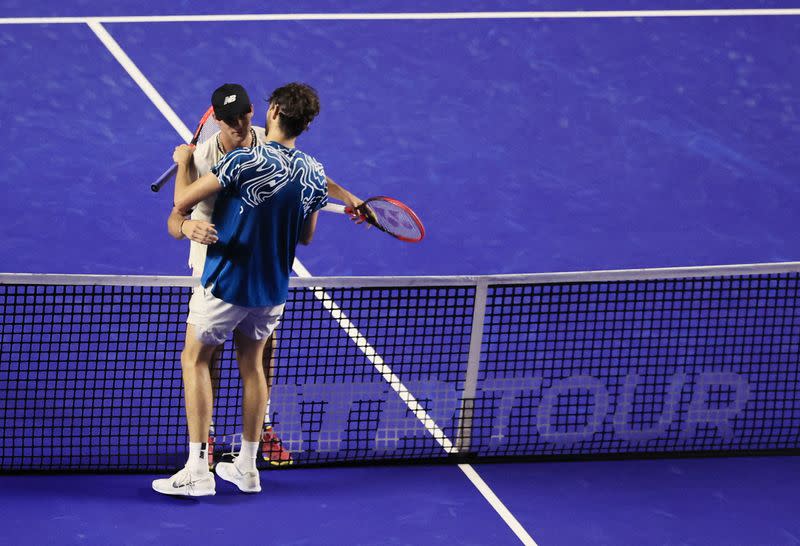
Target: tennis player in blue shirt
(268, 197)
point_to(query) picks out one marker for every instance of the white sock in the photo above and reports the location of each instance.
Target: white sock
(246, 461)
(198, 457)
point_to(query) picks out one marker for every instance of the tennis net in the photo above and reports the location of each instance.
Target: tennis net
(609, 363)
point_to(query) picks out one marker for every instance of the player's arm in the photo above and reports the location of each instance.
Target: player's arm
(196, 230)
(191, 192)
(351, 201)
(309, 227)
(205, 186)
(180, 226)
(189, 171)
(175, 220)
(174, 224)
(199, 231)
(337, 192)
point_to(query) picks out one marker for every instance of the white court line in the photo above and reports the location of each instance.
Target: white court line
(419, 412)
(497, 504)
(376, 360)
(140, 79)
(608, 14)
(385, 371)
(360, 341)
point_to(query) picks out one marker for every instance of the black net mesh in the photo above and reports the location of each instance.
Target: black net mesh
(703, 364)
(90, 376)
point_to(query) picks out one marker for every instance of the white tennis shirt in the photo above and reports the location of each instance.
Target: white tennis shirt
(206, 155)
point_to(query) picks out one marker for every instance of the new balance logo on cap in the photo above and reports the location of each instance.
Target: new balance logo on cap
(230, 101)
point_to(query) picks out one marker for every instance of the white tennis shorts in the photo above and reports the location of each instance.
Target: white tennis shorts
(214, 319)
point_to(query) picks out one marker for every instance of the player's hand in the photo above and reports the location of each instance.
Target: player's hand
(357, 210)
(182, 155)
(361, 213)
(199, 231)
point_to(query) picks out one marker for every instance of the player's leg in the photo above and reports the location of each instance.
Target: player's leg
(243, 472)
(198, 394)
(210, 322)
(272, 449)
(194, 479)
(197, 260)
(254, 384)
(251, 337)
(268, 365)
(215, 375)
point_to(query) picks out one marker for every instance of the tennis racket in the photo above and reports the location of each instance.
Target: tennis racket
(388, 215)
(205, 129)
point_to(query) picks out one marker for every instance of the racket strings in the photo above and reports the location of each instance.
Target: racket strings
(395, 219)
(208, 130)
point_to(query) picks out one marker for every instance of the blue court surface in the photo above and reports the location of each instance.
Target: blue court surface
(682, 501)
(525, 143)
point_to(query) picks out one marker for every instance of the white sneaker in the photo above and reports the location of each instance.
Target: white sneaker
(248, 482)
(187, 484)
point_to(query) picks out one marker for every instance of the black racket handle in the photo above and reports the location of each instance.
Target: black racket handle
(164, 178)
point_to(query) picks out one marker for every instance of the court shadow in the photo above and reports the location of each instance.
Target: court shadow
(109, 487)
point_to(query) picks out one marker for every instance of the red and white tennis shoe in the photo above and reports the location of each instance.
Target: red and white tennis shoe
(272, 449)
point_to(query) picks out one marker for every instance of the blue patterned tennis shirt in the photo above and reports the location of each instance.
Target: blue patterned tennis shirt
(267, 193)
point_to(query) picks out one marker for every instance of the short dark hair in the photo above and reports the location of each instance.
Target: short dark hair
(298, 105)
